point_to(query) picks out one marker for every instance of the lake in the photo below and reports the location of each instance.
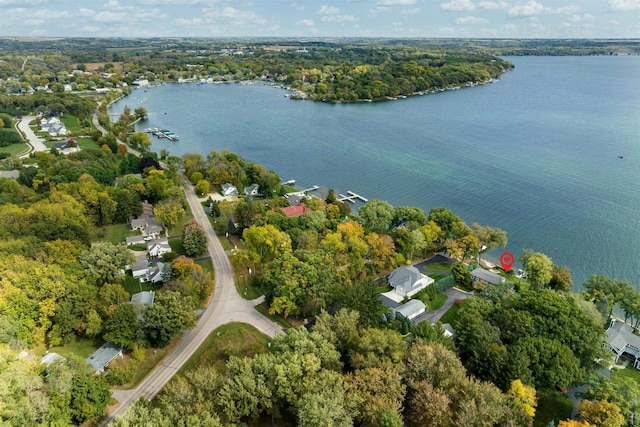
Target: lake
(536, 153)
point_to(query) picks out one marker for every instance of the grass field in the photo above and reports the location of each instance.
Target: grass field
(627, 372)
(177, 229)
(151, 359)
(81, 348)
(262, 308)
(113, 233)
(71, 122)
(552, 406)
(207, 266)
(451, 315)
(437, 302)
(233, 339)
(87, 143)
(245, 289)
(439, 266)
(177, 246)
(15, 149)
(133, 286)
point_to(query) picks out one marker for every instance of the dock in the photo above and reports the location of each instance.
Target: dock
(315, 187)
(351, 198)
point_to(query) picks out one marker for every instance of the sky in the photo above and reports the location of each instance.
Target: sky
(326, 18)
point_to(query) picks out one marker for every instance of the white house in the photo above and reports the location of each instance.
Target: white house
(623, 342)
(408, 281)
(54, 126)
(252, 190)
(141, 267)
(158, 247)
(229, 189)
(147, 225)
(135, 240)
(155, 273)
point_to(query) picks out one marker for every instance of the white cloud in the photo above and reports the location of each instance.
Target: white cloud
(567, 10)
(532, 8)
(458, 5)
(397, 27)
(624, 5)
(339, 18)
(297, 6)
(470, 20)
(325, 9)
(306, 23)
(396, 2)
(21, 3)
(492, 5)
(407, 12)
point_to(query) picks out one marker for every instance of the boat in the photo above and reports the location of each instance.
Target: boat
(290, 182)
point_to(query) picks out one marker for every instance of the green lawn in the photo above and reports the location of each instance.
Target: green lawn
(113, 233)
(233, 339)
(151, 359)
(15, 149)
(177, 229)
(437, 302)
(627, 372)
(552, 406)
(177, 246)
(133, 286)
(451, 315)
(207, 266)
(87, 143)
(264, 310)
(78, 348)
(246, 289)
(440, 266)
(71, 122)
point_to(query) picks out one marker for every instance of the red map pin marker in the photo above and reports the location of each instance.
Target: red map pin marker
(506, 260)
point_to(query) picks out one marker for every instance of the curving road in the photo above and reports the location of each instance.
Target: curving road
(37, 144)
(225, 306)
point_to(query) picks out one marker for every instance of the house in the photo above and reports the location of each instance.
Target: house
(147, 208)
(50, 358)
(135, 240)
(54, 126)
(489, 277)
(158, 247)
(449, 332)
(103, 356)
(61, 145)
(251, 190)
(295, 198)
(155, 273)
(141, 267)
(147, 224)
(294, 211)
(229, 189)
(408, 281)
(411, 309)
(13, 174)
(623, 342)
(143, 298)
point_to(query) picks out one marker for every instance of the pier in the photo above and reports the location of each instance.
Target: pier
(315, 187)
(351, 198)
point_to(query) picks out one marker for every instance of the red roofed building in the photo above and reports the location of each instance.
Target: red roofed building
(297, 210)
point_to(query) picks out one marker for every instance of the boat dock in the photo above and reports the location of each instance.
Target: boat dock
(163, 133)
(351, 198)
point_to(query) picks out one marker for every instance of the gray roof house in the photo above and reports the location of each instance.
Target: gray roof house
(155, 273)
(147, 224)
(487, 276)
(103, 356)
(408, 281)
(229, 189)
(410, 309)
(158, 247)
(13, 174)
(623, 342)
(141, 267)
(143, 298)
(135, 240)
(251, 190)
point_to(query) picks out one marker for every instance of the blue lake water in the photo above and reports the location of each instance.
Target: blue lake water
(535, 154)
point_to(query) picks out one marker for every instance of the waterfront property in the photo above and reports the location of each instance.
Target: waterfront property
(408, 281)
(487, 276)
(623, 342)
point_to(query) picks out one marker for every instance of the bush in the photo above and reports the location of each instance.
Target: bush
(7, 120)
(444, 284)
(121, 372)
(4, 155)
(8, 137)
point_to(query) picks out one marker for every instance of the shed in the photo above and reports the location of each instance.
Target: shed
(487, 276)
(12, 174)
(101, 358)
(411, 309)
(135, 240)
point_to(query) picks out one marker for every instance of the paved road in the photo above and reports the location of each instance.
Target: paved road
(225, 306)
(37, 144)
(434, 315)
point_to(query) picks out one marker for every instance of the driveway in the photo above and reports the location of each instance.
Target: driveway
(434, 316)
(37, 144)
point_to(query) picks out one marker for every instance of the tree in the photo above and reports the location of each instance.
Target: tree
(574, 423)
(376, 216)
(374, 347)
(490, 237)
(169, 314)
(461, 274)
(539, 270)
(622, 391)
(202, 187)
(194, 238)
(89, 397)
(267, 242)
(123, 327)
(523, 398)
(140, 140)
(169, 212)
(561, 279)
(601, 413)
(140, 112)
(105, 262)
